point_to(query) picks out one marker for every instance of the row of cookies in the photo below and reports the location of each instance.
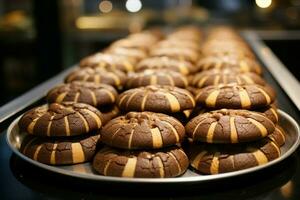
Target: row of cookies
(235, 126)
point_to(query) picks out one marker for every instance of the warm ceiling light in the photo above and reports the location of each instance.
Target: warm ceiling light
(105, 6)
(133, 5)
(263, 3)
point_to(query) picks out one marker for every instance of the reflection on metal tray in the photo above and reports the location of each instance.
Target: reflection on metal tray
(84, 171)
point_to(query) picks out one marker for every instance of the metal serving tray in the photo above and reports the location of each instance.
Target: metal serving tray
(84, 171)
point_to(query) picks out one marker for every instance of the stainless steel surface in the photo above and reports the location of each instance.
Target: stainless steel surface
(31, 96)
(84, 171)
(283, 76)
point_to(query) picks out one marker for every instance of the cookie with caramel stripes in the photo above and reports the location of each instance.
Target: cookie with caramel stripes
(142, 130)
(63, 151)
(167, 63)
(95, 94)
(115, 78)
(161, 163)
(236, 96)
(215, 159)
(270, 112)
(186, 54)
(156, 77)
(225, 76)
(229, 126)
(109, 61)
(136, 54)
(156, 98)
(65, 119)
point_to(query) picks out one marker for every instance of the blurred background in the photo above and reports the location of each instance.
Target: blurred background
(38, 38)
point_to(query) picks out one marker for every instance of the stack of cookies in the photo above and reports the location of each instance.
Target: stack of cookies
(235, 124)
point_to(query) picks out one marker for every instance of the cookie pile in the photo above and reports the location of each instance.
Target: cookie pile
(235, 124)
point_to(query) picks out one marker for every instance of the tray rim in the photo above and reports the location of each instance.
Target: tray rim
(194, 179)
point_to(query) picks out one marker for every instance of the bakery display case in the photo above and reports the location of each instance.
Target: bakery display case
(196, 95)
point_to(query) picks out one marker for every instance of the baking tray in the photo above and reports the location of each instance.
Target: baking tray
(84, 171)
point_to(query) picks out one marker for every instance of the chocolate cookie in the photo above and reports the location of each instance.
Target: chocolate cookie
(236, 96)
(225, 76)
(60, 151)
(172, 64)
(223, 62)
(156, 98)
(270, 112)
(156, 77)
(109, 112)
(161, 163)
(278, 136)
(214, 159)
(65, 119)
(142, 130)
(186, 54)
(115, 78)
(229, 126)
(95, 94)
(108, 61)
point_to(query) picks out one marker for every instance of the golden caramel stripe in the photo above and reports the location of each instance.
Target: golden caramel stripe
(86, 125)
(130, 137)
(217, 79)
(247, 79)
(183, 69)
(67, 125)
(130, 98)
(97, 78)
(245, 100)
(210, 132)
(212, 98)
(274, 113)
(261, 127)
(244, 66)
(153, 80)
(52, 157)
(156, 138)
(191, 98)
(174, 103)
(129, 168)
(60, 97)
(122, 99)
(268, 99)
(93, 97)
(144, 101)
(116, 78)
(101, 64)
(214, 167)
(277, 148)
(281, 133)
(106, 167)
(177, 163)
(184, 80)
(196, 161)
(238, 80)
(110, 94)
(173, 130)
(37, 152)
(161, 167)
(49, 125)
(260, 157)
(128, 66)
(202, 81)
(233, 132)
(85, 77)
(77, 153)
(218, 64)
(31, 125)
(170, 80)
(76, 97)
(193, 134)
(95, 117)
(28, 144)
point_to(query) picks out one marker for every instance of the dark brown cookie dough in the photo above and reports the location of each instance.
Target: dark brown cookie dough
(53, 151)
(215, 159)
(156, 77)
(156, 98)
(270, 112)
(95, 94)
(236, 96)
(115, 78)
(186, 54)
(225, 76)
(161, 163)
(109, 61)
(142, 130)
(167, 63)
(229, 126)
(109, 112)
(65, 119)
(278, 136)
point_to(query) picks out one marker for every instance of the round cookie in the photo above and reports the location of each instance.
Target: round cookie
(278, 136)
(270, 112)
(142, 130)
(53, 151)
(222, 62)
(95, 94)
(225, 76)
(167, 63)
(236, 96)
(156, 77)
(65, 119)
(115, 78)
(214, 159)
(156, 98)
(229, 126)
(161, 163)
(109, 61)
